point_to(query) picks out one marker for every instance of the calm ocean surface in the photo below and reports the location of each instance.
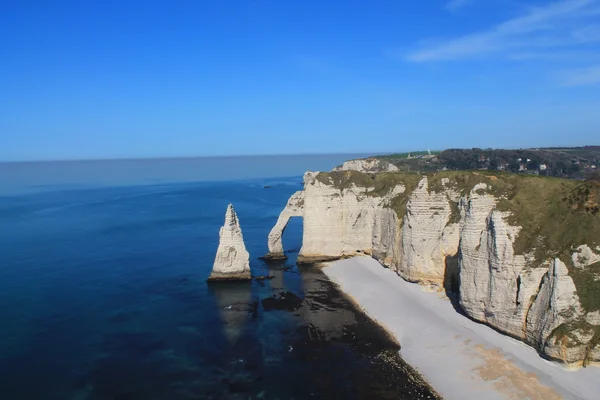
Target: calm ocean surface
(103, 293)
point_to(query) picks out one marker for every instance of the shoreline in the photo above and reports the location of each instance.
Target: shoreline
(459, 358)
(415, 374)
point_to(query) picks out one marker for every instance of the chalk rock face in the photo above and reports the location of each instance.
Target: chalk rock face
(342, 222)
(428, 235)
(386, 236)
(585, 256)
(438, 230)
(232, 261)
(556, 303)
(489, 270)
(369, 165)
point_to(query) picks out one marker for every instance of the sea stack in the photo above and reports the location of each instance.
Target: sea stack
(232, 261)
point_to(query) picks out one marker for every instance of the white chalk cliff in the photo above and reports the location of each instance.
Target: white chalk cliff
(461, 237)
(367, 165)
(232, 261)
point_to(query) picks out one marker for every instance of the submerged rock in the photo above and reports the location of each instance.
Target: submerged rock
(232, 261)
(282, 301)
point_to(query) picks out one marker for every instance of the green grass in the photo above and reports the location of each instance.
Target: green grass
(345, 179)
(555, 215)
(562, 334)
(377, 184)
(464, 181)
(398, 203)
(455, 212)
(587, 282)
(405, 155)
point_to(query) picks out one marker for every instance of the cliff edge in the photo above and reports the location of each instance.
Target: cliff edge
(519, 253)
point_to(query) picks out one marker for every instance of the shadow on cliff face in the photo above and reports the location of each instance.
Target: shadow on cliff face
(452, 282)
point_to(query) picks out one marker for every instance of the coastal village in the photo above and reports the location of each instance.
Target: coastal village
(574, 163)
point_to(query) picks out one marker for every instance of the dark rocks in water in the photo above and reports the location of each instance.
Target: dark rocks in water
(316, 259)
(287, 268)
(264, 277)
(267, 187)
(292, 251)
(274, 257)
(242, 383)
(282, 301)
(216, 278)
(261, 279)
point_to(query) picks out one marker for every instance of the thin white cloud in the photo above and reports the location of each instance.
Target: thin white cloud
(582, 77)
(454, 5)
(587, 34)
(556, 55)
(554, 24)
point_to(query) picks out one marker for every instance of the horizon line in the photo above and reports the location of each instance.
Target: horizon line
(374, 153)
(49, 160)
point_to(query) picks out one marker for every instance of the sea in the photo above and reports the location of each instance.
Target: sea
(103, 291)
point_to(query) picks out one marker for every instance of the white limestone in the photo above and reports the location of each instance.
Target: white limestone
(556, 303)
(293, 208)
(232, 261)
(368, 165)
(585, 256)
(341, 223)
(428, 237)
(496, 286)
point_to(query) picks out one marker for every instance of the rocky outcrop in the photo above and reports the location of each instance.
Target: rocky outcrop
(479, 236)
(341, 222)
(367, 165)
(232, 261)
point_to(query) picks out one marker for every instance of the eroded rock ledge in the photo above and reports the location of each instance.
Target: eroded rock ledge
(521, 253)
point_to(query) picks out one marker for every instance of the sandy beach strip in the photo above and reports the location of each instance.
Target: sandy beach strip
(460, 358)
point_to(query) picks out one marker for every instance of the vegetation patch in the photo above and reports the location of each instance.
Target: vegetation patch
(398, 203)
(463, 182)
(377, 185)
(454, 212)
(564, 334)
(345, 179)
(396, 156)
(587, 282)
(555, 216)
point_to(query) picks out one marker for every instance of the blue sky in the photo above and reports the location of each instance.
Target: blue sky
(103, 79)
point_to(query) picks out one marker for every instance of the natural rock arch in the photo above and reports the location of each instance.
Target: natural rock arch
(294, 208)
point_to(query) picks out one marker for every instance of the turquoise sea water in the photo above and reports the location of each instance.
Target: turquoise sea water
(103, 292)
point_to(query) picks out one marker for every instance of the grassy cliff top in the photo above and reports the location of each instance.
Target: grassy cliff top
(576, 162)
(555, 215)
(376, 184)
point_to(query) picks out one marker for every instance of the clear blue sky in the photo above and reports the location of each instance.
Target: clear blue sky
(102, 79)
